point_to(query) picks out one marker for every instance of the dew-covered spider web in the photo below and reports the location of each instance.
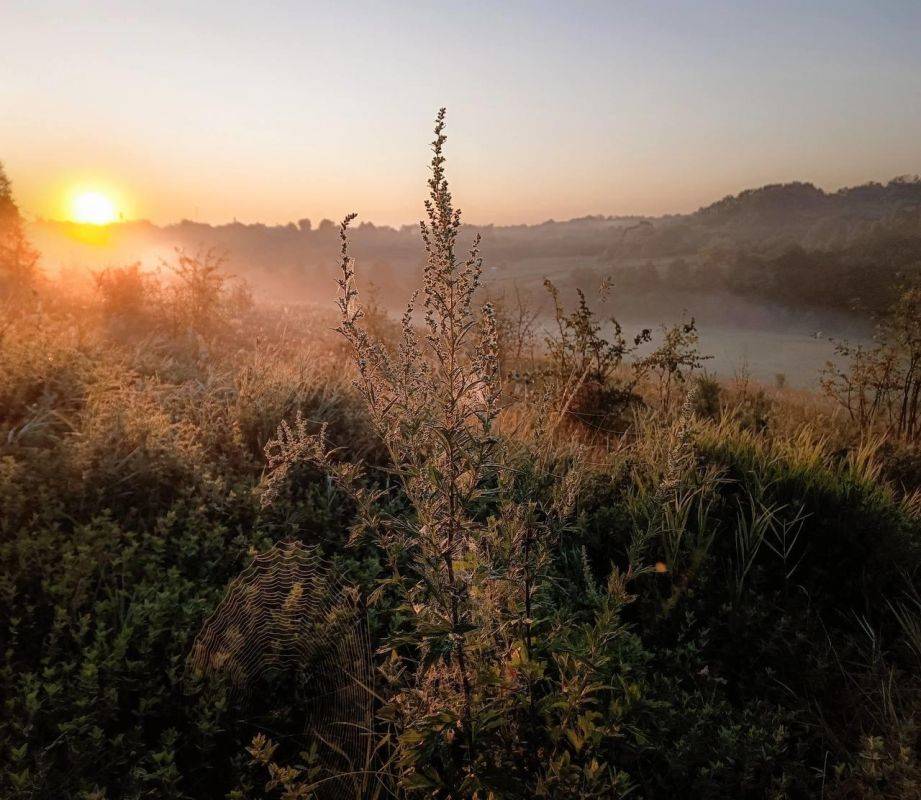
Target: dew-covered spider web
(290, 615)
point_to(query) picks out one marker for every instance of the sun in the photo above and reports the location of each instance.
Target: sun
(93, 208)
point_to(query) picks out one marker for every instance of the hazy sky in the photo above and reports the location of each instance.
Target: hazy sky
(272, 111)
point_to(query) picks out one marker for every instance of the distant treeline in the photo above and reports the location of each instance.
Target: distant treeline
(862, 275)
(793, 243)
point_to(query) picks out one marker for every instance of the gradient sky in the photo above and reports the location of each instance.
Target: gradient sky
(272, 111)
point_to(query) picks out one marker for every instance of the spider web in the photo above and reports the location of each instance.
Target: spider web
(290, 612)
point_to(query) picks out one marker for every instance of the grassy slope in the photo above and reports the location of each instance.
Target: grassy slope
(127, 476)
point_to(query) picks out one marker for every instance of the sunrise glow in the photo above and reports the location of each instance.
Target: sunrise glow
(93, 208)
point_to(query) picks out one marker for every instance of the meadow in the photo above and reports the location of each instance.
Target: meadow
(575, 564)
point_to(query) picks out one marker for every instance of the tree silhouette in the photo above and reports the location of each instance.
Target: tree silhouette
(18, 259)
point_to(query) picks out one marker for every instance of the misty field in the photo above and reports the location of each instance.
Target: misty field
(251, 549)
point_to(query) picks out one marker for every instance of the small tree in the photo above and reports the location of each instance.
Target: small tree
(198, 291)
(127, 294)
(882, 384)
(901, 332)
(18, 260)
(864, 388)
(582, 361)
(515, 319)
(675, 359)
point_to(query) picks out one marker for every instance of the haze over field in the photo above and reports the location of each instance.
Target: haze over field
(623, 118)
(773, 275)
